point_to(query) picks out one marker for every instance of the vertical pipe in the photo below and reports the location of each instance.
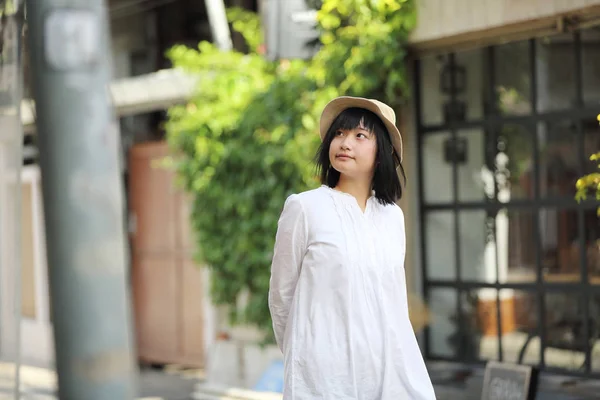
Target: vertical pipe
(219, 26)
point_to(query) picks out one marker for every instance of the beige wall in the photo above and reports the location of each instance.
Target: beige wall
(410, 198)
(468, 23)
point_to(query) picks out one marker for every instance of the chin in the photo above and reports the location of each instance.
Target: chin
(346, 172)
(340, 168)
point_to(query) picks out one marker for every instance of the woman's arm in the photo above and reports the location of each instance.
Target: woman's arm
(290, 246)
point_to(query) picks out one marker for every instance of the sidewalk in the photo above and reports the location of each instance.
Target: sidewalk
(153, 384)
(451, 382)
(172, 383)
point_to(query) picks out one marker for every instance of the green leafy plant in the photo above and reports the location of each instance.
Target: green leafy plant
(247, 138)
(589, 183)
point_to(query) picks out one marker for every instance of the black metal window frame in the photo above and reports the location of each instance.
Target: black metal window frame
(578, 112)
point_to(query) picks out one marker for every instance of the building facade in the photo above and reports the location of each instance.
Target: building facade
(501, 125)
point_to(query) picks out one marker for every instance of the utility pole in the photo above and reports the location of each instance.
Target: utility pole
(83, 199)
(11, 161)
(217, 18)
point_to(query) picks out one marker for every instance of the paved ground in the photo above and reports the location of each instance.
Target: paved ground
(168, 384)
(154, 384)
(172, 383)
(452, 382)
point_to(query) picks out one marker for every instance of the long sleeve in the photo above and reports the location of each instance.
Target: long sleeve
(290, 246)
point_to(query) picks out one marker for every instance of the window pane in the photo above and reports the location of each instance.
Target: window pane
(515, 231)
(559, 159)
(477, 246)
(432, 99)
(495, 164)
(520, 338)
(514, 163)
(443, 78)
(440, 245)
(559, 244)
(513, 78)
(470, 82)
(480, 340)
(592, 245)
(591, 143)
(555, 67)
(443, 324)
(437, 169)
(590, 64)
(565, 338)
(595, 339)
(474, 180)
(502, 242)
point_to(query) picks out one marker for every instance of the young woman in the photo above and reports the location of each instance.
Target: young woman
(337, 293)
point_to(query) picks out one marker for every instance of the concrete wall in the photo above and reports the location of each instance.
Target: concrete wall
(443, 23)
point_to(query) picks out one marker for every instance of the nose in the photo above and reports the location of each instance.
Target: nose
(345, 142)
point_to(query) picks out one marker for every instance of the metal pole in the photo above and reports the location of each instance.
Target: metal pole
(219, 26)
(83, 199)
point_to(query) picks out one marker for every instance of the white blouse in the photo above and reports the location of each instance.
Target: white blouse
(339, 304)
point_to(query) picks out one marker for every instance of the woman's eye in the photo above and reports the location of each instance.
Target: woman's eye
(361, 135)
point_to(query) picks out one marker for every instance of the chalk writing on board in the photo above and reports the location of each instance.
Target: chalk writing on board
(505, 389)
(505, 381)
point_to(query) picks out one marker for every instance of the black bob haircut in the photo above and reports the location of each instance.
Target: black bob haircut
(386, 180)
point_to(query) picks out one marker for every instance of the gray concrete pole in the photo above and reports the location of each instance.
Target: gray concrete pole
(11, 162)
(83, 199)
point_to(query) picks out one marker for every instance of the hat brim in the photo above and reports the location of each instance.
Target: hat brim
(336, 106)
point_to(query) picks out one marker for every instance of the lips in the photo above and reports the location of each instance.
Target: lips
(343, 156)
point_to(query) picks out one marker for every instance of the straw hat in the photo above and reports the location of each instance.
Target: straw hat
(382, 110)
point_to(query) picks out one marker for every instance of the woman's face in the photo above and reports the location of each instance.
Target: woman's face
(352, 152)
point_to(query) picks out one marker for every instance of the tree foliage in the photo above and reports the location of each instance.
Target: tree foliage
(247, 138)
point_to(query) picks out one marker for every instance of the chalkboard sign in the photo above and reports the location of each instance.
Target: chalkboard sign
(503, 381)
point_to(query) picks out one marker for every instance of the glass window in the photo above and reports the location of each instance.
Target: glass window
(475, 180)
(432, 99)
(591, 143)
(565, 338)
(591, 228)
(560, 160)
(555, 66)
(559, 244)
(444, 325)
(452, 87)
(479, 339)
(496, 164)
(437, 168)
(440, 245)
(477, 246)
(520, 338)
(513, 78)
(595, 328)
(590, 65)
(515, 232)
(514, 163)
(515, 219)
(470, 77)
(497, 245)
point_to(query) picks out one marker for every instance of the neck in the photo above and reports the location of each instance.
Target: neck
(360, 189)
